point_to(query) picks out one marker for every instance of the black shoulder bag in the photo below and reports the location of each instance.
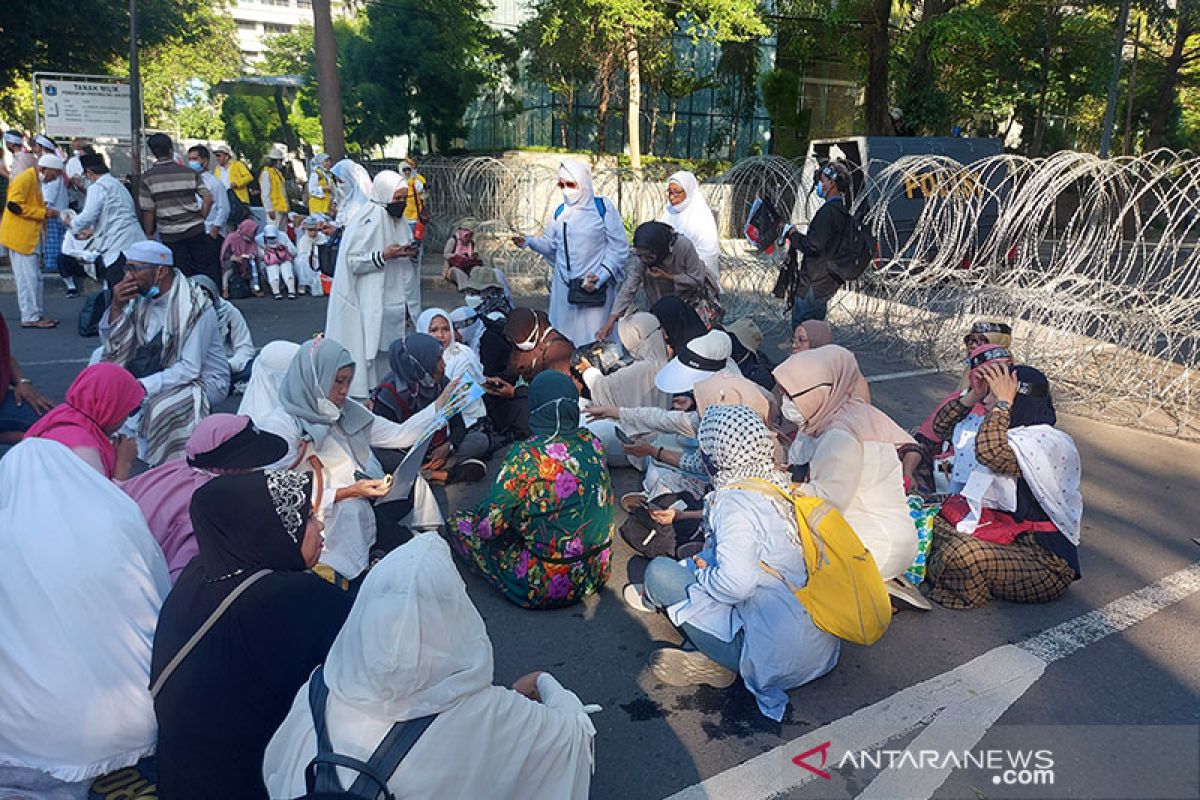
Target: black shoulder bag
(321, 779)
(576, 294)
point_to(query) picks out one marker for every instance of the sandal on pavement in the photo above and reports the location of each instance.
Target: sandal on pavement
(41, 323)
(676, 667)
(907, 595)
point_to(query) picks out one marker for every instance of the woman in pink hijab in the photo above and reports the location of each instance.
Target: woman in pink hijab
(222, 444)
(852, 459)
(99, 401)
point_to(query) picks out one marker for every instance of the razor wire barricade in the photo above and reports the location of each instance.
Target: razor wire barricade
(1095, 263)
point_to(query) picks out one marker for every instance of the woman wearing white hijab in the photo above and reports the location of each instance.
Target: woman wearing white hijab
(81, 586)
(353, 189)
(261, 397)
(376, 284)
(687, 212)
(585, 240)
(331, 435)
(415, 646)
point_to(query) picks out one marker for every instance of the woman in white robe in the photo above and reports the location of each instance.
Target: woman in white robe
(853, 453)
(81, 586)
(688, 213)
(334, 437)
(376, 293)
(415, 646)
(581, 242)
(261, 397)
(353, 189)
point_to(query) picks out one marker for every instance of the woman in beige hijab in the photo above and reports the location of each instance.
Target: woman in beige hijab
(853, 463)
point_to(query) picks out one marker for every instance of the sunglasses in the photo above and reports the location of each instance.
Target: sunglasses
(809, 389)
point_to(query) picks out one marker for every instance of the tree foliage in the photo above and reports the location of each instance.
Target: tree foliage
(180, 73)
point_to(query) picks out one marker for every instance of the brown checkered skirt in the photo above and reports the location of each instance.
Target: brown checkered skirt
(966, 572)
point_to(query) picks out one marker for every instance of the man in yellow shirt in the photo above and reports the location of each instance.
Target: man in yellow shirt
(273, 188)
(232, 173)
(25, 214)
(415, 207)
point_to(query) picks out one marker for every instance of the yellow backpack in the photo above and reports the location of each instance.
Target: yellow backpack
(845, 594)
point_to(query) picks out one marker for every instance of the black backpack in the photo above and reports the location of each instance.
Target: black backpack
(320, 778)
(855, 250)
(239, 286)
(238, 211)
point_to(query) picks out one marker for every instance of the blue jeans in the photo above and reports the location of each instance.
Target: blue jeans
(15, 418)
(807, 307)
(666, 584)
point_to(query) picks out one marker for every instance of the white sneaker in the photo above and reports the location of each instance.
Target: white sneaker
(633, 597)
(676, 667)
(901, 589)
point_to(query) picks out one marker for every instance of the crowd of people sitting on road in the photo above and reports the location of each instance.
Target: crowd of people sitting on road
(265, 600)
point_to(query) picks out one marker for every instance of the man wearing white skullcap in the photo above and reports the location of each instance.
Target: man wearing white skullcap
(164, 330)
(25, 215)
(22, 158)
(54, 192)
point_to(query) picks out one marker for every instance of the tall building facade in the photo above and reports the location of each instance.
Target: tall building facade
(258, 19)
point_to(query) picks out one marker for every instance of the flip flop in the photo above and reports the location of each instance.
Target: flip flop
(41, 323)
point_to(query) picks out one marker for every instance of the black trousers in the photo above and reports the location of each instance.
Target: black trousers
(197, 255)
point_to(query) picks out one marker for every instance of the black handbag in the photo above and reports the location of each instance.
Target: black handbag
(576, 294)
(147, 359)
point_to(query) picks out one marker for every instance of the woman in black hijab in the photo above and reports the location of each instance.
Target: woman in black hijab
(680, 322)
(219, 707)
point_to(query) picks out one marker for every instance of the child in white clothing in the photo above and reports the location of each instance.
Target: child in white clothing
(276, 253)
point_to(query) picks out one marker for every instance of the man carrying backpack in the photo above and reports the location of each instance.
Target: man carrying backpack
(826, 247)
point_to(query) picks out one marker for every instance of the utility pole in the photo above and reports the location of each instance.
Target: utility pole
(135, 104)
(1110, 109)
(329, 90)
(1127, 145)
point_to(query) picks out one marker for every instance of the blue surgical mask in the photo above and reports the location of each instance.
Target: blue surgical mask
(821, 190)
(196, 166)
(151, 293)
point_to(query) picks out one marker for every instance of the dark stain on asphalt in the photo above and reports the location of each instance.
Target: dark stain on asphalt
(736, 713)
(642, 709)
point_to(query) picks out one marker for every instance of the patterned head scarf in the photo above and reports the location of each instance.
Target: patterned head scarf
(251, 521)
(736, 443)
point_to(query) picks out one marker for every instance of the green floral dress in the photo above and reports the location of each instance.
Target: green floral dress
(543, 536)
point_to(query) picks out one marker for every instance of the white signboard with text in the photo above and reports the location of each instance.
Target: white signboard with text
(91, 109)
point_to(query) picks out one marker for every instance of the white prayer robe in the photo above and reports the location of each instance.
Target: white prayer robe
(594, 246)
(374, 300)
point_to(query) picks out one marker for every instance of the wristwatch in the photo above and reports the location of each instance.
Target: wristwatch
(1003, 405)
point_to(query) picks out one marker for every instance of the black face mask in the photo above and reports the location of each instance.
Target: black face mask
(396, 208)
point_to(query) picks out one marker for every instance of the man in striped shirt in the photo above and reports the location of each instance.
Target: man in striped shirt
(174, 199)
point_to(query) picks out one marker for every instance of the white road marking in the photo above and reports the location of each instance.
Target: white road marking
(896, 376)
(55, 363)
(970, 697)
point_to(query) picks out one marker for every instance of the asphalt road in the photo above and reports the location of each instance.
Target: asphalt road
(652, 741)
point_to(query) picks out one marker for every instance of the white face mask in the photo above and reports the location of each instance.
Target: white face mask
(792, 413)
(473, 300)
(572, 195)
